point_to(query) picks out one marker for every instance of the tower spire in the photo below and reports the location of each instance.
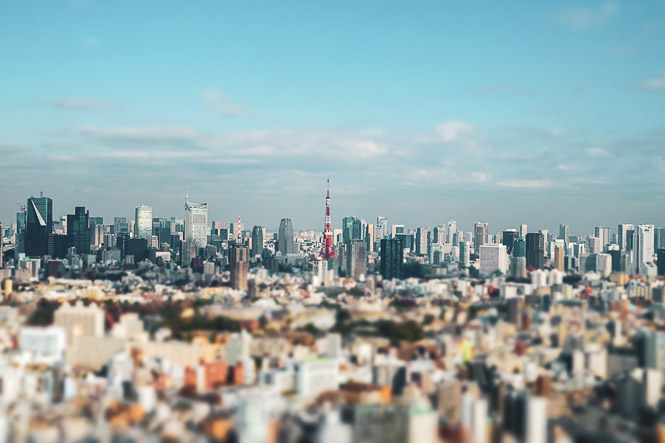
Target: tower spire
(328, 250)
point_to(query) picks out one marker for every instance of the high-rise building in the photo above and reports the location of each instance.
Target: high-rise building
(257, 241)
(80, 320)
(356, 259)
(285, 243)
(523, 230)
(120, 225)
(623, 235)
(196, 223)
(78, 230)
(464, 254)
(595, 244)
(239, 263)
(381, 230)
(535, 250)
(509, 238)
(143, 223)
(643, 241)
(493, 258)
(564, 233)
(392, 258)
(479, 235)
(659, 238)
(353, 228)
(603, 233)
(439, 234)
(396, 230)
(661, 261)
(452, 231)
(520, 247)
(422, 240)
(39, 224)
(559, 257)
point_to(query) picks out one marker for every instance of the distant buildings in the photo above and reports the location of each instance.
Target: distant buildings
(479, 235)
(39, 224)
(78, 230)
(196, 223)
(143, 223)
(239, 264)
(535, 250)
(285, 242)
(392, 258)
(257, 241)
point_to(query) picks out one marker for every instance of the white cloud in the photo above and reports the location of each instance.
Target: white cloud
(594, 152)
(654, 83)
(225, 105)
(587, 17)
(454, 130)
(519, 183)
(78, 103)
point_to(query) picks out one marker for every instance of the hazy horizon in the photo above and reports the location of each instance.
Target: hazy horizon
(507, 113)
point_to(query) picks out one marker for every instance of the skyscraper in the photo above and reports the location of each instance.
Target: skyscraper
(257, 241)
(643, 246)
(535, 250)
(196, 223)
(661, 261)
(623, 236)
(603, 233)
(285, 243)
(439, 234)
(356, 259)
(422, 240)
(564, 232)
(509, 238)
(559, 257)
(464, 254)
(381, 230)
(479, 235)
(452, 230)
(392, 258)
(120, 225)
(39, 224)
(493, 258)
(353, 228)
(78, 230)
(143, 223)
(523, 230)
(239, 263)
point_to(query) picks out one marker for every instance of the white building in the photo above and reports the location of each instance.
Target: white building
(143, 223)
(196, 223)
(316, 375)
(493, 258)
(46, 344)
(643, 244)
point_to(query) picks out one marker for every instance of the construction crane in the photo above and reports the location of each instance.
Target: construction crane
(21, 207)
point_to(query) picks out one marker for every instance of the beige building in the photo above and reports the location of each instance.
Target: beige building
(80, 320)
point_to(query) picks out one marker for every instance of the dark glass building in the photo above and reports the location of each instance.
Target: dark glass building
(509, 238)
(257, 241)
(78, 230)
(660, 257)
(535, 250)
(39, 224)
(392, 258)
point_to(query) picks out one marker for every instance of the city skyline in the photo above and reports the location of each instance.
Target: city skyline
(422, 114)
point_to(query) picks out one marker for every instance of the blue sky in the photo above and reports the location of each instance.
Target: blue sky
(510, 112)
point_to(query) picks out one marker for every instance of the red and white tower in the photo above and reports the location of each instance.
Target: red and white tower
(328, 250)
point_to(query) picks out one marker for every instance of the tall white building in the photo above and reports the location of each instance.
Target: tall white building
(381, 228)
(452, 230)
(80, 320)
(143, 223)
(196, 223)
(643, 246)
(523, 230)
(493, 258)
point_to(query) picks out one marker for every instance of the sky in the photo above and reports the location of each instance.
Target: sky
(508, 112)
